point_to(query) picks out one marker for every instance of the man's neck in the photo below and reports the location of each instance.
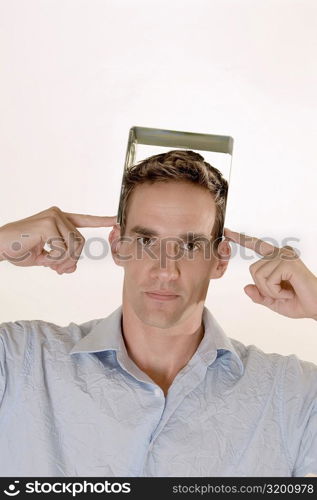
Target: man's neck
(161, 352)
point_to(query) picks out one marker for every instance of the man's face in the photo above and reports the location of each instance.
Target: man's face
(161, 259)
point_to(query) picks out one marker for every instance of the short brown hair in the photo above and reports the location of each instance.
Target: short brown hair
(181, 165)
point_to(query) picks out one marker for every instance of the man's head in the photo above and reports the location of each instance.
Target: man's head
(178, 165)
(167, 199)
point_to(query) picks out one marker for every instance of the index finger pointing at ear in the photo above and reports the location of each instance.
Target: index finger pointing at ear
(259, 246)
(83, 220)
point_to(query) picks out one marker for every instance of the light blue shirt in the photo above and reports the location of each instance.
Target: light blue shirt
(72, 403)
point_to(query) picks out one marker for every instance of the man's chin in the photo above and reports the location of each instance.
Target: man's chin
(163, 317)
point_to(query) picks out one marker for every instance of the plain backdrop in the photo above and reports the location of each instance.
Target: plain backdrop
(76, 75)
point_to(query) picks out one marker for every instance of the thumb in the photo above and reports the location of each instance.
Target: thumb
(254, 294)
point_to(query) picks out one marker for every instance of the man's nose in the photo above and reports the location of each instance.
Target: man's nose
(166, 265)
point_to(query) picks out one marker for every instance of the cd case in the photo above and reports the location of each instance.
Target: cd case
(144, 142)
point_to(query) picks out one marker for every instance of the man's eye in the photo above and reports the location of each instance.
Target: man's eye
(144, 238)
(191, 246)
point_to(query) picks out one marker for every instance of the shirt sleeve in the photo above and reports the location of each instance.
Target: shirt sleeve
(306, 462)
(11, 345)
(2, 371)
(300, 416)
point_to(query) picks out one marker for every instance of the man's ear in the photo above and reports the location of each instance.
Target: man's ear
(222, 256)
(114, 240)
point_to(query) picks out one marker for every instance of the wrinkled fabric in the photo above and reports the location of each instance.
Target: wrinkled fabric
(72, 403)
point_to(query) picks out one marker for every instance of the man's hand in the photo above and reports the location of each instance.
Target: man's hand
(22, 242)
(282, 281)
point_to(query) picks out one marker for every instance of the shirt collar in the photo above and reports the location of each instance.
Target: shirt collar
(106, 335)
(216, 341)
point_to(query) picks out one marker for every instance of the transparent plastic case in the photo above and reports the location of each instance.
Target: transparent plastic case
(144, 142)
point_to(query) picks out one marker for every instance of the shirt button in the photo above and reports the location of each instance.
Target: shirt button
(157, 392)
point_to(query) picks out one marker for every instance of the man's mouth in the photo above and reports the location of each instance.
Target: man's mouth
(162, 295)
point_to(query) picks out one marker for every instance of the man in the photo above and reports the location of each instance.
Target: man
(157, 388)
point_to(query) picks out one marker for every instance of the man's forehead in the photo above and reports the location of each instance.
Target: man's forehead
(175, 197)
(172, 212)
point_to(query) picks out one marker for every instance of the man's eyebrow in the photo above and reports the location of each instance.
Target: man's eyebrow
(146, 231)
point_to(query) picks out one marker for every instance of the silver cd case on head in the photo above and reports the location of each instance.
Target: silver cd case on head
(172, 139)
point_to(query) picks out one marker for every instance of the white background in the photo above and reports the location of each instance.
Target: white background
(76, 75)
